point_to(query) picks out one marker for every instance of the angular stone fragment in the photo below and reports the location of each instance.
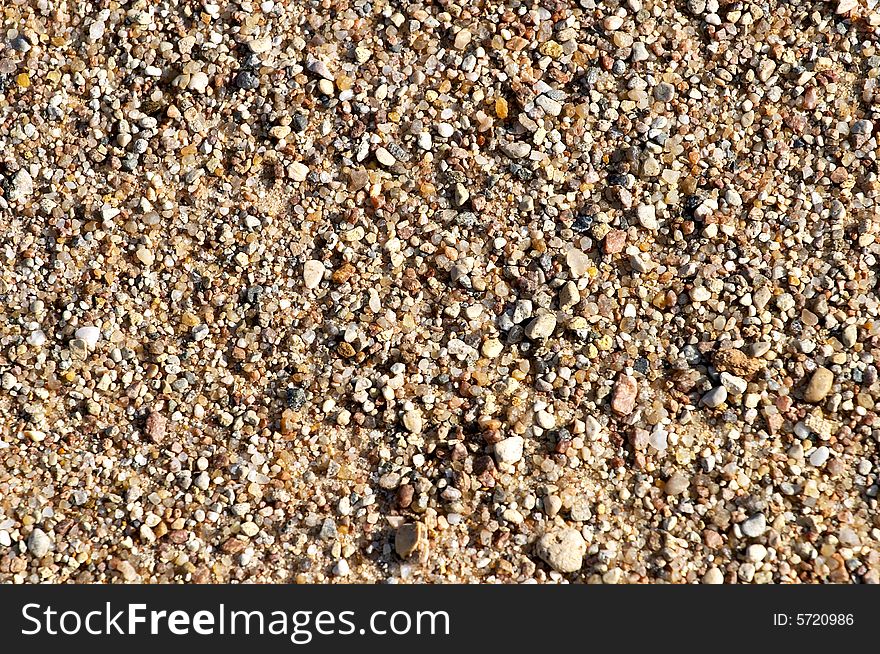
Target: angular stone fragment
(578, 262)
(647, 215)
(569, 295)
(410, 538)
(509, 450)
(517, 149)
(846, 6)
(623, 400)
(614, 241)
(198, 82)
(541, 327)
(261, 45)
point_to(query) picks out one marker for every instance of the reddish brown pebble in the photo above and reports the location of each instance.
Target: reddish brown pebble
(155, 426)
(623, 401)
(615, 240)
(405, 496)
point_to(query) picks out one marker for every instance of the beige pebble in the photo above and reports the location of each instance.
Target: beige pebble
(819, 386)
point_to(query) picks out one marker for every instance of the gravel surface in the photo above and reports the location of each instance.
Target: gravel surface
(358, 291)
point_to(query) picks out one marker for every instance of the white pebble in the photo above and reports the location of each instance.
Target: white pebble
(198, 82)
(313, 273)
(509, 450)
(819, 456)
(90, 334)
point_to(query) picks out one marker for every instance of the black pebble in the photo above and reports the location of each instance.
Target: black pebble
(246, 80)
(296, 397)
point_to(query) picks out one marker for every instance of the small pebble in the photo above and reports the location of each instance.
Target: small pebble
(562, 549)
(509, 450)
(89, 334)
(819, 386)
(313, 273)
(39, 543)
(755, 526)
